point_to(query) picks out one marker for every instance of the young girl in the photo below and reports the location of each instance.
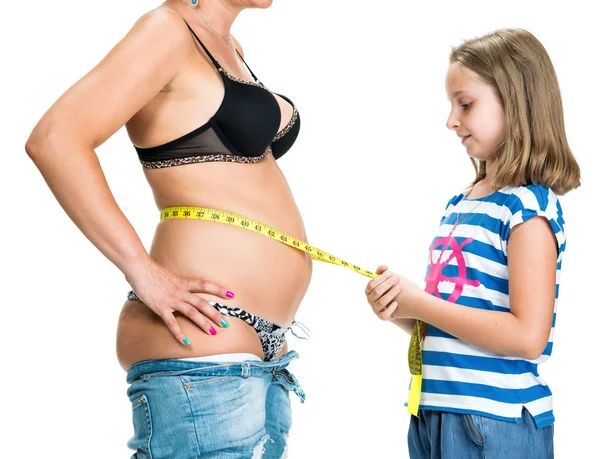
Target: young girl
(492, 281)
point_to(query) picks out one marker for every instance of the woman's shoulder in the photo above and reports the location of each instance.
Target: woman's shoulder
(162, 15)
(164, 24)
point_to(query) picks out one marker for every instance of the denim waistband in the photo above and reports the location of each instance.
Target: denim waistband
(173, 367)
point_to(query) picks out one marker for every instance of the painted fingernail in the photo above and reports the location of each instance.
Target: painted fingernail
(213, 331)
(186, 341)
(224, 323)
(229, 294)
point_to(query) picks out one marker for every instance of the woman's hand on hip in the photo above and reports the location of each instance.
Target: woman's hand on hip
(165, 293)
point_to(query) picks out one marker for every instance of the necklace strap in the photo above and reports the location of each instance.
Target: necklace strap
(229, 39)
(465, 197)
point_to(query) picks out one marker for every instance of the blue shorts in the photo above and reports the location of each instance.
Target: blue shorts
(440, 434)
(184, 409)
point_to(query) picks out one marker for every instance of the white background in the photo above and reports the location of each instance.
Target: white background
(371, 172)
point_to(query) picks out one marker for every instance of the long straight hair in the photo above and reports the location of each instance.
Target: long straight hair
(534, 149)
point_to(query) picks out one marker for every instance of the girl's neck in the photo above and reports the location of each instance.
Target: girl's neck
(484, 187)
(491, 167)
(480, 190)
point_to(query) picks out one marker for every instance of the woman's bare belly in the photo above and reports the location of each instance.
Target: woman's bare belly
(269, 279)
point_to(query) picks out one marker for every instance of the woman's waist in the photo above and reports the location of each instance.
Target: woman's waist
(234, 255)
(259, 192)
(273, 208)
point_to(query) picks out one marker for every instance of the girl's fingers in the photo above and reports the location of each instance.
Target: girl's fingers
(386, 299)
(381, 269)
(382, 288)
(386, 314)
(373, 284)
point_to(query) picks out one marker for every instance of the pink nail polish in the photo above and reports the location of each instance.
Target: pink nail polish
(213, 331)
(229, 294)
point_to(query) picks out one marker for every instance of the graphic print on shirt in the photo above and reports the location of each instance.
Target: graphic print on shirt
(468, 265)
(435, 276)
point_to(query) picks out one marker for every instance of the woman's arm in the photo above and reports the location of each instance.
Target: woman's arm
(62, 147)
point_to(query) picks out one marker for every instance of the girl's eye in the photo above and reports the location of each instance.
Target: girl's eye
(466, 106)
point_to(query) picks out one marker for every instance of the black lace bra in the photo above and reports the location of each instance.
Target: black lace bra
(244, 129)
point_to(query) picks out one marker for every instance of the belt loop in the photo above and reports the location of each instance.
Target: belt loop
(300, 393)
(245, 369)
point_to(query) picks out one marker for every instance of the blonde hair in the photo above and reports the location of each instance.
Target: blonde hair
(534, 149)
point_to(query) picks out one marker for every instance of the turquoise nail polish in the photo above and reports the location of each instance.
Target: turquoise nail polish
(224, 323)
(186, 341)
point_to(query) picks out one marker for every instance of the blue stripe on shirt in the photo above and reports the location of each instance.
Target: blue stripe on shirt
(435, 386)
(473, 362)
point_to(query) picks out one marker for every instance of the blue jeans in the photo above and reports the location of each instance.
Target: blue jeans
(444, 435)
(185, 409)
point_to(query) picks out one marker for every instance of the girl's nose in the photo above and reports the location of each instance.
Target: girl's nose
(452, 122)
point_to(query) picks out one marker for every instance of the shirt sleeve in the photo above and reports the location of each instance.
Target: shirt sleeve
(536, 201)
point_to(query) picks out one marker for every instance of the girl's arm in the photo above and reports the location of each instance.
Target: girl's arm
(405, 324)
(524, 331)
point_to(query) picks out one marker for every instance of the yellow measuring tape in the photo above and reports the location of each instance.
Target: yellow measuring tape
(221, 216)
(229, 218)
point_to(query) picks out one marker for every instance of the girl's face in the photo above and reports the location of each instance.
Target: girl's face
(477, 115)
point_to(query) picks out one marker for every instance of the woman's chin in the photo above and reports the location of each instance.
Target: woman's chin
(261, 4)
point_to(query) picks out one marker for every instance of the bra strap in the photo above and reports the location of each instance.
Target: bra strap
(214, 61)
(248, 67)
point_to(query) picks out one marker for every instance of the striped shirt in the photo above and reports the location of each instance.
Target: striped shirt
(470, 268)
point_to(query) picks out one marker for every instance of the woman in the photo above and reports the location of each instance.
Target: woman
(206, 365)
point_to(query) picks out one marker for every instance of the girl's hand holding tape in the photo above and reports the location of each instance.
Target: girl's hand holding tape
(393, 297)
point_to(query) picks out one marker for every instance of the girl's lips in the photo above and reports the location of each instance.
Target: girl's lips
(464, 139)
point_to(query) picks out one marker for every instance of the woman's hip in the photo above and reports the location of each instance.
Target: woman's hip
(143, 336)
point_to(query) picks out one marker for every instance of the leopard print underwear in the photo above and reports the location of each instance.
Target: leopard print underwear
(271, 336)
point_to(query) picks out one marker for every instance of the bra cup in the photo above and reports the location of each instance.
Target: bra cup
(250, 119)
(283, 144)
(242, 130)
